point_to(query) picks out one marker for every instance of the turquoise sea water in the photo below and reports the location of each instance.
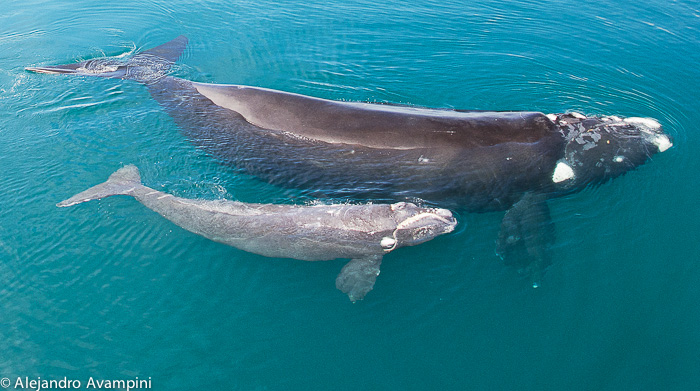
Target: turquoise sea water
(110, 290)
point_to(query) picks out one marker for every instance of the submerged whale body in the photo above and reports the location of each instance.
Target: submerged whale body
(473, 161)
(364, 233)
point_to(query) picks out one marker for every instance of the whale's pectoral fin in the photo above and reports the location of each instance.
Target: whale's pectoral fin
(358, 276)
(526, 233)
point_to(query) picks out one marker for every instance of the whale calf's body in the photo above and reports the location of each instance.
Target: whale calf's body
(473, 161)
(363, 233)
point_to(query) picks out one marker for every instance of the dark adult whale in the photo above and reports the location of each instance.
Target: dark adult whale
(364, 233)
(473, 161)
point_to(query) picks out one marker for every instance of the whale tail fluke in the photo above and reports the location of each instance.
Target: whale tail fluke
(170, 51)
(145, 67)
(123, 181)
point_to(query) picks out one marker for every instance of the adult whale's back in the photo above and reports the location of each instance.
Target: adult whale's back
(452, 169)
(375, 125)
(350, 149)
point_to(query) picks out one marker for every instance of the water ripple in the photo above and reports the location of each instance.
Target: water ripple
(108, 288)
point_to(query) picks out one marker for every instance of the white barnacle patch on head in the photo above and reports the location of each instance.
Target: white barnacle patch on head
(619, 159)
(662, 142)
(387, 242)
(562, 172)
(577, 115)
(552, 117)
(649, 123)
(422, 159)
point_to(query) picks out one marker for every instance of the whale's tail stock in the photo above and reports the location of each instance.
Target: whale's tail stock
(146, 66)
(123, 181)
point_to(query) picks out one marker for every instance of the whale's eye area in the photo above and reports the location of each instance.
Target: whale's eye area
(399, 206)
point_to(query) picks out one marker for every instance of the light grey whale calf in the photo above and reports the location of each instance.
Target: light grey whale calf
(363, 233)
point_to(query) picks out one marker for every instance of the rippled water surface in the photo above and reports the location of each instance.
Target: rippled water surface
(111, 290)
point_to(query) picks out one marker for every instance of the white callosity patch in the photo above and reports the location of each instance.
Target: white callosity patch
(612, 118)
(577, 115)
(662, 142)
(651, 127)
(647, 122)
(619, 159)
(552, 117)
(562, 172)
(387, 242)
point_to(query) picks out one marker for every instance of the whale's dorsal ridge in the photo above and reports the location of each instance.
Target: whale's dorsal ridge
(373, 125)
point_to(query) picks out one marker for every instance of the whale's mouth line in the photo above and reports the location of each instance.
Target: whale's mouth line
(449, 226)
(421, 216)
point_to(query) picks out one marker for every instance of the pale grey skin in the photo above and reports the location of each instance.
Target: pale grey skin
(363, 233)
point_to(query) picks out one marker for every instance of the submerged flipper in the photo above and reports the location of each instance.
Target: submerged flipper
(144, 67)
(358, 276)
(526, 233)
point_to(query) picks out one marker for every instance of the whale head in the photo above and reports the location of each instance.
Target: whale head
(415, 225)
(601, 148)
